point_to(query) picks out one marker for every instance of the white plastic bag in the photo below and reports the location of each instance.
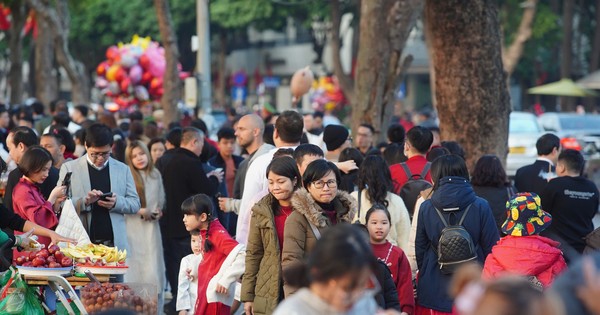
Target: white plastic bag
(69, 224)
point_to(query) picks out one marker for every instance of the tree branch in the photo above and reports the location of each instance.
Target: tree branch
(512, 54)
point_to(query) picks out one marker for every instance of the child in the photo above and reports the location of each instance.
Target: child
(187, 290)
(378, 223)
(223, 259)
(523, 252)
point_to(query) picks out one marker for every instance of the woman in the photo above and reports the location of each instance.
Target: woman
(349, 180)
(262, 284)
(452, 195)
(157, 148)
(490, 183)
(375, 186)
(336, 279)
(145, 256)
(316, 206)
(28, 201)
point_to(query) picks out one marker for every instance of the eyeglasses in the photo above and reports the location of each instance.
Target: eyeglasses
(320, 184)
(95, 155)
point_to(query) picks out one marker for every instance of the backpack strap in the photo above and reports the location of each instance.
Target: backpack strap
(315, 230)
(425, 170)
(464, 214)
(406, 170)
(439, 213)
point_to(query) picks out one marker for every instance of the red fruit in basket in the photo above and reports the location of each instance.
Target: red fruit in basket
(51, 259)
(59, 255)
(54, 265)
(44, 253)
(38, 262)
(27, 264)
(53, 249)
(20, 260)
(32, 256)
(66, 262)
(99, 264)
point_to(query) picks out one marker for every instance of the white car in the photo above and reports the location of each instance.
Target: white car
(523, 132)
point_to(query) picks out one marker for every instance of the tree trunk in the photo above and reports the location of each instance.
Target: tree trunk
(46, 88)
(345, 81)
(15, 44)
(566, 64)
(220, 93)
(58, 21)
(595, 59)
(171, 81)
(384, 29)
(472, 97)
(512, 54)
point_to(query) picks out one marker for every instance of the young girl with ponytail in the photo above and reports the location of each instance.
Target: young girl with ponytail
(223, 260)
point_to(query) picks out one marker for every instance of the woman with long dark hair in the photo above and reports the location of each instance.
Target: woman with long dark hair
(490, 182)
(262, 284)
(375, 187)
(454, 200)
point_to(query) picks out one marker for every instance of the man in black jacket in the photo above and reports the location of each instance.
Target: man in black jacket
(183, 177)
(572, 201)
(534, 177)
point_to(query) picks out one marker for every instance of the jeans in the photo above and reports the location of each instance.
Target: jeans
(174, 250)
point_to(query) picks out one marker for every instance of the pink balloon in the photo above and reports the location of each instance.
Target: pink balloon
(301, 83)
(157, 68)
(135, 74)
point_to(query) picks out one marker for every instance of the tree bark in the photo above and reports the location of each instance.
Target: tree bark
(512, 54)
(384, 29)
(566, 64)
(472, 97)
(15, 44)
(595, 59)
(345, 80)
(46, 87)
(171, 81)
(58, 21)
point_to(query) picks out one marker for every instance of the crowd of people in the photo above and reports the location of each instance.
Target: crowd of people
(299, 217)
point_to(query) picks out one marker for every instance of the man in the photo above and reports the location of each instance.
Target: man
(18, 141)
(364, 138)
(287, 134)
(313, 135)
(53, 143)
(571, 199)
(535, 177)
(336, 138)
(229, 163)
(80, 114)
(305, 154)
(183, 176)
(396, 134)
(418, 141)
(95, 174)
(249, 135)
(173, 140)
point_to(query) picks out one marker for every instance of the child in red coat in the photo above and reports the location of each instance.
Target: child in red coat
(523, 251)
(378, 224)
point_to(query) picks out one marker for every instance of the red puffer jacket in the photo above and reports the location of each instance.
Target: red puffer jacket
(525, 255)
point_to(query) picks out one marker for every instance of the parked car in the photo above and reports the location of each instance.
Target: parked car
(579, 132)
(523, 132)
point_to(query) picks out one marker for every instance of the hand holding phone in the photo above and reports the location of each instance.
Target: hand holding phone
(105, 196)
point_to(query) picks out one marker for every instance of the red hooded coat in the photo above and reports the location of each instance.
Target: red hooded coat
(527, 256)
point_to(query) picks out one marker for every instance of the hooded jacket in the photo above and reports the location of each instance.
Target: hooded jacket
(298, 237)
(262, 278)
(451, 197)
(527, 256)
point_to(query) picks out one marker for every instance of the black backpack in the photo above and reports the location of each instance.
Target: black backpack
(409, 192)
(455, 245)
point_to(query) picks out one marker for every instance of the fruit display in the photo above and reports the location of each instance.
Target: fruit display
(142, 299)
(52, 257)
(96, 255)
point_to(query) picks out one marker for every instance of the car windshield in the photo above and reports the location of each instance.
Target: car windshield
(580, 122)
(523, 124)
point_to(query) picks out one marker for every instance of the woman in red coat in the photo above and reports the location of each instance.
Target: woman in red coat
(523, 251)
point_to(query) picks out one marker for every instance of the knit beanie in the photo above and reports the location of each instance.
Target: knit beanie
(334, 136)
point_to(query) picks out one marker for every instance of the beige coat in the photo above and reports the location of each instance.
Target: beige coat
(299, 239)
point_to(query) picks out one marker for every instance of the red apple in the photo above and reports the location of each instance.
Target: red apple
(53, 249)
(66, 262)
(51, 259)
(27, 264)
(54, 265)
(20, 260)
(59, 255)
(44, 253)
(32, 256)
(38, 262)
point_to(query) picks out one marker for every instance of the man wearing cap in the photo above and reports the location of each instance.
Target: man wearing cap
(523, 251)
(336, 138)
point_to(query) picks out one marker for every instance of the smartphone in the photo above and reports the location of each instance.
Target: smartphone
(106, 195)
(67, 181)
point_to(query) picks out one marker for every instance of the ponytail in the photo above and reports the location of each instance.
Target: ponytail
(208, 245)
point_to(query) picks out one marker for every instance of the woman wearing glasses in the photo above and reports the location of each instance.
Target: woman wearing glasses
(317, 206)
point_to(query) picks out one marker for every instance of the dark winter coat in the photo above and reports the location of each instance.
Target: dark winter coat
(453, 192)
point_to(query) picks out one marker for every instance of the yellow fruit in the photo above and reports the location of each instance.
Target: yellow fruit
(516, 232)
(515, 213)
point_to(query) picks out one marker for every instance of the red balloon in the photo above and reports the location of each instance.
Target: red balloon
(146, 77)
(101, 69)
(144, 62)
(156, 83)
(112, 52)
(121, 75)
(183, 75)
(125, 84)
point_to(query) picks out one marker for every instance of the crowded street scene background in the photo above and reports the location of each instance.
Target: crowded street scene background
(300, 157)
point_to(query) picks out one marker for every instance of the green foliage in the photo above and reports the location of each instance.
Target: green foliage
(239, 13)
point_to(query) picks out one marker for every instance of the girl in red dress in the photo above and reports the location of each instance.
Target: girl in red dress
(378, 223)
(223, 258)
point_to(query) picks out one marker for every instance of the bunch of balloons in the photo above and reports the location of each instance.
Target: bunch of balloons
(327, 94)
(132, 73)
